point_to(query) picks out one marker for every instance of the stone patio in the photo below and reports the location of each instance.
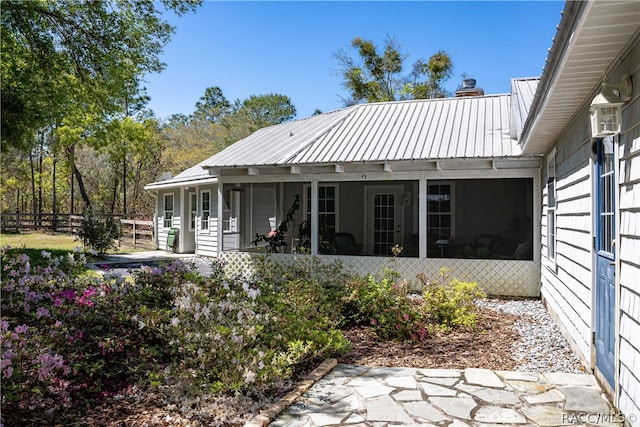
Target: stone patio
(363, 396)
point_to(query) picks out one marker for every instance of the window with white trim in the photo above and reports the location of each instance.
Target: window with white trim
(551, 206)
(327, 208)
(168, 211)
(205, 210)
(193, 207)
(440, 210)
(231, 210)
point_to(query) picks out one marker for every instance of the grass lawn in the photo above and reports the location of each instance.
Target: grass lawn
(34, 243)
(40, 241)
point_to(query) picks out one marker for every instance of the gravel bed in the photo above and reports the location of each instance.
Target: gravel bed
(542, 347)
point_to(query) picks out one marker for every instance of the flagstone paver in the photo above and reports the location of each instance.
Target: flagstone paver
(580, 399)
(459, 407)
(483, 377)
(437, 390)
(358, 396)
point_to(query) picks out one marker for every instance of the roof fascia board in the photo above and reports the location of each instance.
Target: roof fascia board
(174, 184)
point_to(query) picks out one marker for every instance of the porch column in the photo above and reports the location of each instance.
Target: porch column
(422, 217)
(219, 219)
(314, 217)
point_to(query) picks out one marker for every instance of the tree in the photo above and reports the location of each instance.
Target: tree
(53, 50)
(216, 123)
(213, 106)
(377, 77)
(266, 110)
(73, 68)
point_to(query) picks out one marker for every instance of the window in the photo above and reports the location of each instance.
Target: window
(551, 206)
(327, 208)
(606, 232)
(168, 210)
(440, 210)
(193, 204)
(205, 210)
(231, 210)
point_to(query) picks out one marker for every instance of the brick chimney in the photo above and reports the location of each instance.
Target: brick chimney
(469, 89)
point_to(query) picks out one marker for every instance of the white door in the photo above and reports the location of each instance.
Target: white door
(384, 219)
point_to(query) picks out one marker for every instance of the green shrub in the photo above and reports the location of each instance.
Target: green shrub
(383, 303)
(304, 300)
(67, 337)
(450, 304)
(97, 234)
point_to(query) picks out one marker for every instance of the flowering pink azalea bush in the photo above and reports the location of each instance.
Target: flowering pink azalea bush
(69, 338)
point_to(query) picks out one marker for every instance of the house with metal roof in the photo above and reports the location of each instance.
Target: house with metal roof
(443, 179)
(531, 193)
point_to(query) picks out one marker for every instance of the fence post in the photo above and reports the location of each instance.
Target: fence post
(134, 233)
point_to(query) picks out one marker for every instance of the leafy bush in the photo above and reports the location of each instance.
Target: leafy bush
(215, 334)
(98, 234)
(68, 337)
(304, 300)
(450, 304)
(384, 303)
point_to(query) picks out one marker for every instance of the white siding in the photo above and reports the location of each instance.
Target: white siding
(568, 291)
(207, 240)
(629, 252)
(566, 285)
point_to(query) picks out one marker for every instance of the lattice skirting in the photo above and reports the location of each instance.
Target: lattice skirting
(496, 277)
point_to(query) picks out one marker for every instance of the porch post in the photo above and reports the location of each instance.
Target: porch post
(314, 217)
(422, 217)
(219, 219)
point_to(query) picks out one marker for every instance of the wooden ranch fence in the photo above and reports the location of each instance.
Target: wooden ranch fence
(136, 233)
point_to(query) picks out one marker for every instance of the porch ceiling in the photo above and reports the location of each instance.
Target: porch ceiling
(590, 38)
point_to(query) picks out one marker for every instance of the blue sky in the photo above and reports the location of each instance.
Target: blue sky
(256, 48)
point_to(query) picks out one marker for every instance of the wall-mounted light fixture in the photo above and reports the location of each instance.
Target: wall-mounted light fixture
(606, 107)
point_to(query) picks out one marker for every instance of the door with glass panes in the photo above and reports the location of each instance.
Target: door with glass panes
(384, 219)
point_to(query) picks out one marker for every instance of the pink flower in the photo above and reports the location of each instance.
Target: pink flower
(21, 329)
(8, 372)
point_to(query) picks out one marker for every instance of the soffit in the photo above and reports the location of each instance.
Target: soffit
(591, 37)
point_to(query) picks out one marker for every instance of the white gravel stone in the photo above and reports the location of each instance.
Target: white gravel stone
(542, 347)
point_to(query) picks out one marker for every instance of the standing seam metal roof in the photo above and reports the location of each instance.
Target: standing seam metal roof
(429, 129)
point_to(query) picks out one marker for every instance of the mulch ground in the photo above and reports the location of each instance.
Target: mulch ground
(488, 345)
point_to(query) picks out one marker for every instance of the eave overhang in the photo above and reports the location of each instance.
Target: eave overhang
(591, 38)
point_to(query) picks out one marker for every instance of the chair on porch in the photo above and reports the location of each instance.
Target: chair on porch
(345, 244)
